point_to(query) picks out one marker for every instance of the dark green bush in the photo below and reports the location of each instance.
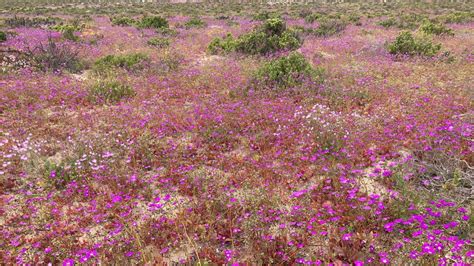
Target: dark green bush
(123, 21)
(329, 27)
(195, 22)
(458, 17)
(110, 92)
(407, 44)
(265, 15)
(54, 56)
(391, 22)
(313, 17)
(3, 36)
(429, 27)
(154, 22)
(222, 45)
(16, 22)
(129, 62)
(159, 42)
(288, 71)
(272, 36)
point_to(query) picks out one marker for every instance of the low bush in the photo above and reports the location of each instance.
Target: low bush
(390, 22)
(128, 62)
(159, 42)
(288, 71)
(68, 31)
(110, 92)
(54, 57)
(123, 21)
(432, 28)
(195, 22)
(407, 44)
(155, 22)
(313, 17)
(17, 22)
(458, 17)
(329, 27)
(406, 21)
(272, 36)
(3, 36)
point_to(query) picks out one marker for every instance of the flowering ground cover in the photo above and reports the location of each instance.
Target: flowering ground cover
(326, 134)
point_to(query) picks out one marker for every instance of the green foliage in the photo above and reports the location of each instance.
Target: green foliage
(313, 17)
(195, 22)
(59, 175)
(128, 61)
(155, 22)
(16, 22)
(123, 21)
(68, 30)
(272, 36)
(407, 44)
(390, 22)
(262, 16)
(3, 36)
(110, 91)
(222, 45)
(54, 57)
(429, 27)
(458, 17)
(329, 27)
(288, 71)
(159, 42)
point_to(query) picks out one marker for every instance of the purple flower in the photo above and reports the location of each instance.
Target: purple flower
(68, 262)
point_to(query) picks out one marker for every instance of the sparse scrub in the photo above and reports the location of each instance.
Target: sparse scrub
(407, 44)
(159, 42)
(288, 71)
(123, 21)
(54, 56)
(272, 36)
(110, 91)
(127, 61)
(195, 22)
(429, 27)
(154, 22)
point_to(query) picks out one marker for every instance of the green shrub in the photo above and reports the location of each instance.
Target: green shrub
(3, 36)
(59, 175)
(329, 27)
(313, 17)
(123, 21)
(262, 16)
(388, 23)
(110, 92)
(154, 22)
(159, 42)
(195, 22)
(129, 62)
(54, 56)
(429, 27)
(407, 44)
(458, 17)
(272, 36)
(68, 31)
(222, 45)
(288, 71)
(16, 22)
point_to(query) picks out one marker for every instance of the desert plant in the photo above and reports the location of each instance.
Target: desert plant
(159, 42)
(329, 27)
(128, 61)
(154, 22)
(123, 21)
(407, 44)
(16, 22)
(272, 36)
(458, 17)
(195, 22)
(390, 22)
(288, 71)
(313, 17)
(221, 45)
(3, 36)
(110, 91)
(429, 27)
(54, 57)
